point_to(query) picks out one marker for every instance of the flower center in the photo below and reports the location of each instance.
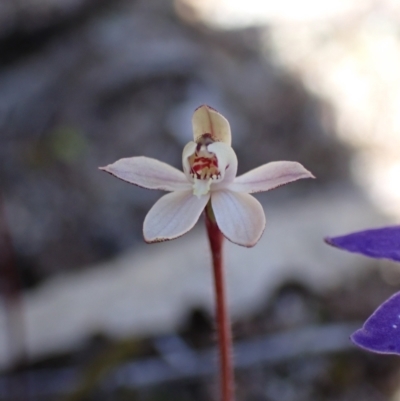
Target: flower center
(203, 167)
(204, 164)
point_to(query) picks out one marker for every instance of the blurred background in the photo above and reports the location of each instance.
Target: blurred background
(90, 312)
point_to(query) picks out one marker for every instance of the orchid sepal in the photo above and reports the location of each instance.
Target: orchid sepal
(270, 176)
(208, 121)
(148, 173)
(173, 215)
(239, 216)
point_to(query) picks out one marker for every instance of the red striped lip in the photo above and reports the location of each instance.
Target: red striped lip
(204, 167)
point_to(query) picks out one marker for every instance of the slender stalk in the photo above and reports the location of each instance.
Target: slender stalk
(223, 322)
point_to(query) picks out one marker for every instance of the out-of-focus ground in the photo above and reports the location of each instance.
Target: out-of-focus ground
(104, 317)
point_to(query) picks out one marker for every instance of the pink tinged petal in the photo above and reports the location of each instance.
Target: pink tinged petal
(188, 151)
(239, 216)
(148, 173)
(173, 215)
(269, 176)
(207, 120)
(227, 164)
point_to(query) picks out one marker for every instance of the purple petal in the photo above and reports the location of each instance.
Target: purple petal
(381, 332)
(377, 243)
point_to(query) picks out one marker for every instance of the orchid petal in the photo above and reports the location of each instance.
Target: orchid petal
(381, 332)
(173, 215)
(188, 151)
(239, 216)
(269, 176)
(207, 120)
(227, 163)
(148, 173)
(376, 243)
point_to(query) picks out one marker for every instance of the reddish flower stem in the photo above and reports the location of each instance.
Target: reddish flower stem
(222, 317)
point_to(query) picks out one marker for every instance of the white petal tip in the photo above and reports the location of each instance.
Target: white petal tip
(296, 169)
(298, 173)
(207, 108)
(307, 174)
(156, 240)
(246, 244)
(108, 169)
(304, 172)
(249, 243)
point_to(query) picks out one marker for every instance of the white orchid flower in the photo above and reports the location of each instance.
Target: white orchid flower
(209, 173)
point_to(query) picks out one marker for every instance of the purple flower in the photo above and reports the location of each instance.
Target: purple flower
(380, 243)
(380, 333)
